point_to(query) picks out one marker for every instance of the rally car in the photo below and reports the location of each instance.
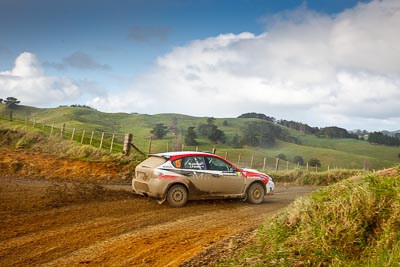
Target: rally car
(181, 176)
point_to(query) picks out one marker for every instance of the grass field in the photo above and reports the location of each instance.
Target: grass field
(333, 153)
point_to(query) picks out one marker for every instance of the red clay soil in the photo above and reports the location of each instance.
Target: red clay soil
(22, 163)
(48, 221)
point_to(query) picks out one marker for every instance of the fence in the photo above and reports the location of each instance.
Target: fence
(111, 142)
(115, 142)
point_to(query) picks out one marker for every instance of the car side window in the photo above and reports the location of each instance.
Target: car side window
(216, 164)
(177, 163)
(196, 163)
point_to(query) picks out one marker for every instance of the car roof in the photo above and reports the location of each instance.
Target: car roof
(182, 154)
(179, 154)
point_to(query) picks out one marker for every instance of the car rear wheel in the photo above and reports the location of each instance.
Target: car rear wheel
(256, 193)
(177, 196)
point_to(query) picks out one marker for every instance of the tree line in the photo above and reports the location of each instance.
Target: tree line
(330, 132)
(261, 133)
(380, 138)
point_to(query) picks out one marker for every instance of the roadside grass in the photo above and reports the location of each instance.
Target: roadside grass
(302, 177)
(355, 222)
(20, 138)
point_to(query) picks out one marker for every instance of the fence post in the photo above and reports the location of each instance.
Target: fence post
(307, 166)
(62, 130)
(251, 162)
(226, 155)
(238, 163)
(34, 122)
(101, 140)
(112, 143)
(127, 144)
(277, 164)
(214, 150)
(91, 138)
(11, 117)
(83, 136)
(73, 133)
(265, 161)
(287, 165)
(52, 128)
(150, 141)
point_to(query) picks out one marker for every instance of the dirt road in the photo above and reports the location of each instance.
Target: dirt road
(55, 224)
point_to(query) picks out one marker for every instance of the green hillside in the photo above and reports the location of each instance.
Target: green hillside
(333, 153)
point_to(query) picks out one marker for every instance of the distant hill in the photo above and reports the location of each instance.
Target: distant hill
(332, 152)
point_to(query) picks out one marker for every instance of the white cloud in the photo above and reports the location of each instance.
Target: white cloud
(28, 82)
(339, 70)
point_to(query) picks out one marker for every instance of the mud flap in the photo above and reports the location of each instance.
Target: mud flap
(161, 200)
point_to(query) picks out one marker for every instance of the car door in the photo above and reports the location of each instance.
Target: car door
(194, 168)
(225, 179)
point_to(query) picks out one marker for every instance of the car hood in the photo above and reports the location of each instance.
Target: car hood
(252, 172)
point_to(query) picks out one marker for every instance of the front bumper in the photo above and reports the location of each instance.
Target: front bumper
(270, 186)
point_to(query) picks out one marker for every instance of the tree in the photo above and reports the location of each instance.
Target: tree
(336, 132)
(190, 137)
(211, 131)
(216, 135)
(380, 138)
(173, 127)
(298, 160)
(301, 127)
(253, 115)
(159, 131)
(261, 133)
(11, 101)
(282, 156)
(314, 162)
(236, 143)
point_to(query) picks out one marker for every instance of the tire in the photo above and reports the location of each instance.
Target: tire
(177, 196)
(255, 194)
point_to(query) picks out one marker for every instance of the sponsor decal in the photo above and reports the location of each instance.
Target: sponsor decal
(168, 176)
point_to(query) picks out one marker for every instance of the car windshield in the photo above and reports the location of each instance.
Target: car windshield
(217, 164)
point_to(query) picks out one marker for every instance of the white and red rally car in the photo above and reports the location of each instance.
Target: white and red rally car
(181, 176)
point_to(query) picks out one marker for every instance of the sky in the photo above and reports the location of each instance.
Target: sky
(320, 62)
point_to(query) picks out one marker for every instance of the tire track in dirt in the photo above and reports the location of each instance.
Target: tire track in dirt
(132, 230)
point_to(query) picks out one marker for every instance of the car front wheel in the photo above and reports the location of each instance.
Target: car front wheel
(255, 194)
(177, 196)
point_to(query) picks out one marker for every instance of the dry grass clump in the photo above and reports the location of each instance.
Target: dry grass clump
(355, 222)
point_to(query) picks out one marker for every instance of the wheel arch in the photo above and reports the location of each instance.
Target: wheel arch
(176, 183)
(256, 182)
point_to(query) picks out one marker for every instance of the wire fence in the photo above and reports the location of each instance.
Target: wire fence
(115, 142)
(109, 141)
